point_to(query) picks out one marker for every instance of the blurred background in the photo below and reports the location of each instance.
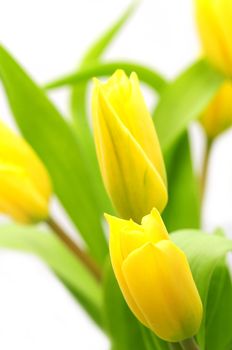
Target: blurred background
(49, 37)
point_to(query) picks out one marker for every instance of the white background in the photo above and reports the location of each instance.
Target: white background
(48, 37)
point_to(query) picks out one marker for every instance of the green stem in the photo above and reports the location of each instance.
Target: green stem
(80, 254)
(205, 167)
(189, 344)
(175, 346)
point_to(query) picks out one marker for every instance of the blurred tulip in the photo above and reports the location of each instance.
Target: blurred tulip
(214, 18)
(155, 277)
(127, 146)
(218, 115)
(25, 186)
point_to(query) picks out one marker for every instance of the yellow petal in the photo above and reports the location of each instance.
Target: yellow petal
(117, 259)
(154, 226)
(126, 99)
(133, 183)
(214, 23)
(25, 184)
(218, 115)
(19, 197)
(159, 280)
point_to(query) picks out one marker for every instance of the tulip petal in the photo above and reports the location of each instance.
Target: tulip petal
(154, 225)
(126, 99)
(18, 196)
(14, 150)
(214, 32)
(129, 175)
(117, 259)
(218, 116)
(160, 281)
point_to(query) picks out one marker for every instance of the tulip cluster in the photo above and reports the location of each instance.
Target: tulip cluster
(153, 273)
(145, 261)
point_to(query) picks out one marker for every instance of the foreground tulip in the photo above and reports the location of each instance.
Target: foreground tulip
(127, 146)
(24, 183)
(155, 277)
(218, 116)
(215, 27)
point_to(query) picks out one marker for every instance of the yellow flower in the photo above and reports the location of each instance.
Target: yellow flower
(155, 277)
(127, 146)
(218, 115)
(25, 186)
(215, 28)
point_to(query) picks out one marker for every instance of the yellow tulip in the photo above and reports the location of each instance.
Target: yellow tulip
(155, 277)
(218, 115)
(215, 28)
(127, 146)
(25, 186)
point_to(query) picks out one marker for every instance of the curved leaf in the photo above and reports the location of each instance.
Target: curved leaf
(146, 75)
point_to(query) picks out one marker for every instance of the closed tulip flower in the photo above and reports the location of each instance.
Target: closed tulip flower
(218, 115)
(127, 146)
(155, 277)
(215, 28)
(25, 186)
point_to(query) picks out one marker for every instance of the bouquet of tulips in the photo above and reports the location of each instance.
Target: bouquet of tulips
(146, 273)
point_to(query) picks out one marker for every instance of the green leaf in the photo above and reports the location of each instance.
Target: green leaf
(57, 146)
(145, 74)
(60, 260)
(206, 255)
(219, 310)
(183, 209)
(184, 99)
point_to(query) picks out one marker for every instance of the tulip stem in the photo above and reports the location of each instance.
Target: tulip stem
(205, 167)
(189, 344)
(81, 255)
(175, 346)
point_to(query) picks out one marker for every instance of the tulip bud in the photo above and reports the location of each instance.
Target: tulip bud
(127, 146)
(155, 277)
(25, 185)
(218, 115)
(215, 28)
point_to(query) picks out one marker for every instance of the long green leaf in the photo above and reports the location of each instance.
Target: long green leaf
(146, 75)
(56, 144)
(58, 258)
(183, 209)
(183, 101)
(206, 253)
